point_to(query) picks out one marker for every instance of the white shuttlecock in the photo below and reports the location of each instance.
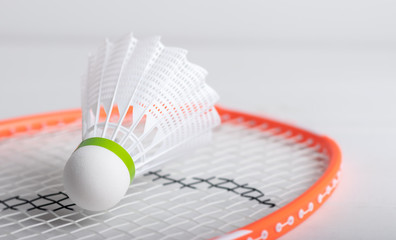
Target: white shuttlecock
(156, 106)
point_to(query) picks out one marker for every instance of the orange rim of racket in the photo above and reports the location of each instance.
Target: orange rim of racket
(271, 226)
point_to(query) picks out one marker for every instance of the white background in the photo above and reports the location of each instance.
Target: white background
(329, 66)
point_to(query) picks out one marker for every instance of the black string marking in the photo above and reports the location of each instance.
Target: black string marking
(53, 202)
(59, 200)
(226, 184)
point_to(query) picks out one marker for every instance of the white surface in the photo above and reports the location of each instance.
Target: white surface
(326, 66)
(95, 178)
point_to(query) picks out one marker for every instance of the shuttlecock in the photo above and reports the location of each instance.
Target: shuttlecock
(156, 105)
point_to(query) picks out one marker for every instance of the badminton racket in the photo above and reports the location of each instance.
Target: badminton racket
(258, 179)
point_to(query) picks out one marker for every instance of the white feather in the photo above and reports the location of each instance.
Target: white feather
(172, 106)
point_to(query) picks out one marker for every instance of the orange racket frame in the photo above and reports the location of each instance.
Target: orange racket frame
(271, 226)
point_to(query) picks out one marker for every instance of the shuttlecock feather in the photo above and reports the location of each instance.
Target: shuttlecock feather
(157, 105)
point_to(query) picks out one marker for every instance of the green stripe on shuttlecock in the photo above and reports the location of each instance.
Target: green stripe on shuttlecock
(115, 148)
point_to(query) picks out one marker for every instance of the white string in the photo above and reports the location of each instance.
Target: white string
(178, 202)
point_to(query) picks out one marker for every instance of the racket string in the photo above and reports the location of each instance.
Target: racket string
(249, 171)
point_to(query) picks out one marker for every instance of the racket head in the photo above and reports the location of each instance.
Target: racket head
(259, 179)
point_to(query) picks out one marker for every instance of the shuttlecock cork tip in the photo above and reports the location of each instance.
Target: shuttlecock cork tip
(97, 174)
